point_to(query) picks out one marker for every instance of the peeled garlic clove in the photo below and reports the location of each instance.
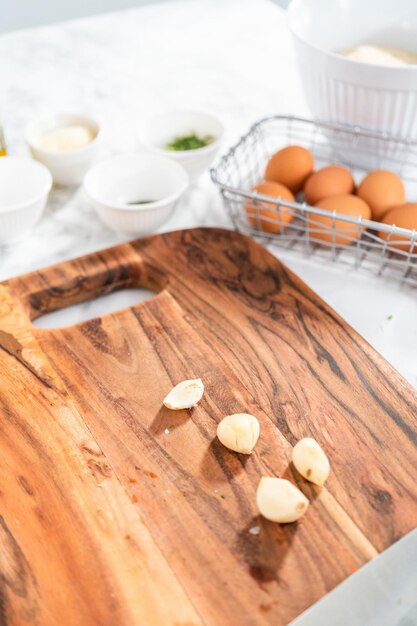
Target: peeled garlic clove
(280, 501)
(239, 432)
(185, 395)
(310, 460)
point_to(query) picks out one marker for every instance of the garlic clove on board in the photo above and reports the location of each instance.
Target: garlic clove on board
(310, 461)
(185, 395)
(239, 432)
(280, 501)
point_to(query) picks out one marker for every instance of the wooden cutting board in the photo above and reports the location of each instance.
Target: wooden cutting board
(118, 512)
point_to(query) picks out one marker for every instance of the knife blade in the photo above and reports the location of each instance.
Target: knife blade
(382, 593)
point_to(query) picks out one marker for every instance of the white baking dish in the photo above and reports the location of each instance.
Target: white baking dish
(342, 90)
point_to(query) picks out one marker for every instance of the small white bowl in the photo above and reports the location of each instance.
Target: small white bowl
(114, 185)
(163, 128)
(67, 168)
(340, 89)
(24, 189)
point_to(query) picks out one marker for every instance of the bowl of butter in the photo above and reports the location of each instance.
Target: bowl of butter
(67, 143)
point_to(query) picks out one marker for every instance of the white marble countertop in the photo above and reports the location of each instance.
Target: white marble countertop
(233, 57)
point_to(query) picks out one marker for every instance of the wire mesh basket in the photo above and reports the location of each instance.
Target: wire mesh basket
(351, 241)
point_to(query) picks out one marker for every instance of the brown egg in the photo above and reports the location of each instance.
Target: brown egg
(345, 233)
(381, 190)
(275, 220)
(404, 216)
(290, 166)
(333, 180)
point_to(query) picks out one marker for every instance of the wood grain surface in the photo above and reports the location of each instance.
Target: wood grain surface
(116, 511)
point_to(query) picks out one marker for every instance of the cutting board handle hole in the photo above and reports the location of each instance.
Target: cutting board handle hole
(89, 287)
(89, 309)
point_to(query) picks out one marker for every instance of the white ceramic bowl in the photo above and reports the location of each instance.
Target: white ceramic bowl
(24, 189)
(114, 185)
(67, 168)
(342, 90)
(163, 128)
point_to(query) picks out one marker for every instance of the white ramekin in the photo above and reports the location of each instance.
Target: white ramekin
(160, 130)
(114, 183)
(67, 168)
(24, 189)
(338, 89)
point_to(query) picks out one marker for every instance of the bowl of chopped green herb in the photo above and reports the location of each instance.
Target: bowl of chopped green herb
(191, 138)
